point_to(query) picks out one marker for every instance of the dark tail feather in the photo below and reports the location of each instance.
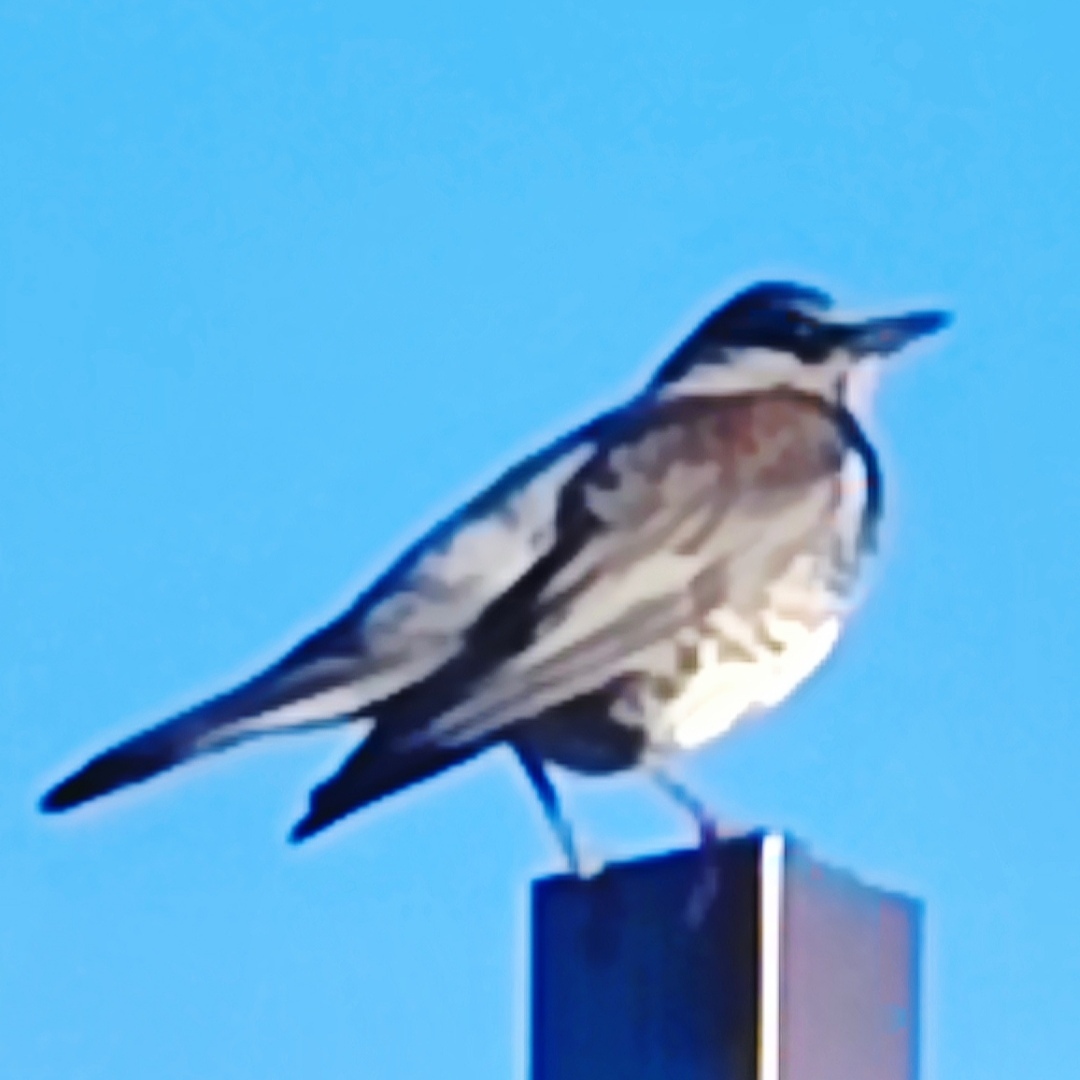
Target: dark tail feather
(377, 769)
(312, 685)
(136, 759)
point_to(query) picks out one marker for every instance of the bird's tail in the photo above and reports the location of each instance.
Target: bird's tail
(380, 766)
(313, 685)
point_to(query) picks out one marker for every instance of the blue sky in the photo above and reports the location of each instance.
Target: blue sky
(279, 283)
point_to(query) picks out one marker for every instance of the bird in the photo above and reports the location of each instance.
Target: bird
(629, 592)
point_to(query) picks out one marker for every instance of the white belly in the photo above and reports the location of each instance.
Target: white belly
(724, 689)
(741, 663)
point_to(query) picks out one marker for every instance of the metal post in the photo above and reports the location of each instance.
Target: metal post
(748, 960)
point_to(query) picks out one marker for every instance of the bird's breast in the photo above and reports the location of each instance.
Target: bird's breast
(738, 662)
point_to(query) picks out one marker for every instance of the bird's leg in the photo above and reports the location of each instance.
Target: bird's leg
(549, 800)
(708, 886)
(708, 829)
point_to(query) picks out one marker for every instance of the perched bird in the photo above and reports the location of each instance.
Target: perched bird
(634, 589)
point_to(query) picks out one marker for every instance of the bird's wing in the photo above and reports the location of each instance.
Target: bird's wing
(418, 616)
(410, 623)
(699, 504)
(681, 507)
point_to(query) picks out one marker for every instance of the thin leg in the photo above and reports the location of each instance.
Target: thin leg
(549, 800)
(708, 886)
(706, 822)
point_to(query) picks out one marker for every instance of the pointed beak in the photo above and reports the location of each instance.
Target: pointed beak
(880, 337)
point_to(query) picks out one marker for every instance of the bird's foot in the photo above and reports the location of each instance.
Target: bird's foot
(712, 830)
(586, 866)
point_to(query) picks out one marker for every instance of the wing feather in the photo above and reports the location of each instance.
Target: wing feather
(700, 503)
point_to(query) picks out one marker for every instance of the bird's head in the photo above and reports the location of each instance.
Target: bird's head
(777, 334)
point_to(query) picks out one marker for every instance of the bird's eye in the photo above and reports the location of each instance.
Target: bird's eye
(799, 324)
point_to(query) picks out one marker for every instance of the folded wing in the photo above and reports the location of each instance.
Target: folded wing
(409, 624)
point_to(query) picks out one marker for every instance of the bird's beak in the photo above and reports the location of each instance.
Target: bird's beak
(879, 337)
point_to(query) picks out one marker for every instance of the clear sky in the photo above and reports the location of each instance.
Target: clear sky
(280, 282)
